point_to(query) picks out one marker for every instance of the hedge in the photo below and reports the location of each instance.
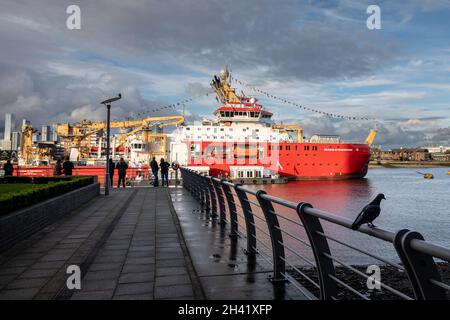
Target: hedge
(15, 179)
(10, 202)
(36, 180)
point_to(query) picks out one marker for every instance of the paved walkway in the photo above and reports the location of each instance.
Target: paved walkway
(127, 246)
(138, 243)
(223, 269)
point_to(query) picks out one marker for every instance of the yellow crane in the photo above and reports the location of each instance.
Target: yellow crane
(371, 137)
(77, 136)
(223, 89)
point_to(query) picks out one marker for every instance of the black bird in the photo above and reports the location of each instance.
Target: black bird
(369, 213)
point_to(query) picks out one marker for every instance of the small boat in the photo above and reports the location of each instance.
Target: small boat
(426, 175)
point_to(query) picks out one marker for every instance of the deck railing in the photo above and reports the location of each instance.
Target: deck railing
(256, 217)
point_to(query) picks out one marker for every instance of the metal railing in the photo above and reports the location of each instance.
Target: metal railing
(267, 237)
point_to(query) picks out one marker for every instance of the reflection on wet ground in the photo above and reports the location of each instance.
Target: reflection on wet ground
(222, 267)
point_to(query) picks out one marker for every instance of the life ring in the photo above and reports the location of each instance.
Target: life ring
(175, 165)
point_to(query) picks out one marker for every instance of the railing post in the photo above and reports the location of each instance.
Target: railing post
(213, 196)
(231, 208)
(249, 221)
(419, 267)
(222, 210)
(203, 185)
(319, 246)
(276, 238)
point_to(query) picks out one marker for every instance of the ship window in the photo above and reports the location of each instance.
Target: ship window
(288, 147)
(221, 129)
(280, 147)
(222, 113)
(207, 129)
(314, 148)
(188, 128)
(249, 174)
(296, 148)
(306, 147)
(270, 147)
(252, 114)
(257, 174)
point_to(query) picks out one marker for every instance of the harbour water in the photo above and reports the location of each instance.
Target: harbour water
(412, 203)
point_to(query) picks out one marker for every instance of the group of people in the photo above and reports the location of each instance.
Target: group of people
(67, 167)
(122, 167)
(164, 167)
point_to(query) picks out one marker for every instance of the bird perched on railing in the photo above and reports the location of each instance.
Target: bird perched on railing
(369, 213)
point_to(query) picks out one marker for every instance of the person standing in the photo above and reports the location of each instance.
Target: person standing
(154, 167)
(8, 168)
(164, 165)
(112, 166)
(68, 167)
(57, 170)
(122, 167)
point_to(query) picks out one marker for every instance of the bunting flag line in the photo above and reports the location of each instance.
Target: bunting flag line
(327, 114)
(146, 113)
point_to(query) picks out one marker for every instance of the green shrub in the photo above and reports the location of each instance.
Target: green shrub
(44, 180)
(15, 179)
(14, 201)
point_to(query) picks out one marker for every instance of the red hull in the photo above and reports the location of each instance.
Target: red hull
(302, 161)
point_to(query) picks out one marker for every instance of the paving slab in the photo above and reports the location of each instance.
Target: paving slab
(116, 239)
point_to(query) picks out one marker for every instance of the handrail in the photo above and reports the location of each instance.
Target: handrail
(416, 254)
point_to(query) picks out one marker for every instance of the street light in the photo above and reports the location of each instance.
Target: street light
(107, 103)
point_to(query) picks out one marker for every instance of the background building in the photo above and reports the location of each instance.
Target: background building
(15, 141)
(9, 127)
(45, 133)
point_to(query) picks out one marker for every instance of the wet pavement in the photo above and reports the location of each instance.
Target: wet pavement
(138, 243)
(127, 246)
(223, 268)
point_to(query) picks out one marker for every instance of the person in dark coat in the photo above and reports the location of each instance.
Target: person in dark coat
(8, 168)
(57, 170)
(164, 165)
(112, 166)
(122, 167)
(154, 167)
(68, 167)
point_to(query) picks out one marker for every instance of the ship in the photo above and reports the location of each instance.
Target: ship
(242, 140)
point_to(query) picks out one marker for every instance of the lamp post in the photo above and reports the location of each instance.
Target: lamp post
(107, 103)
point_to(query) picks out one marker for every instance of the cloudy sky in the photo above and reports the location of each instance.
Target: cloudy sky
(317, 53)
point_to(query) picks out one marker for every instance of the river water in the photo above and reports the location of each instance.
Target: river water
(412, 202)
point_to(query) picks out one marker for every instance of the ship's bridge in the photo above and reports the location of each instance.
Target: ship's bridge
(247, 111)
